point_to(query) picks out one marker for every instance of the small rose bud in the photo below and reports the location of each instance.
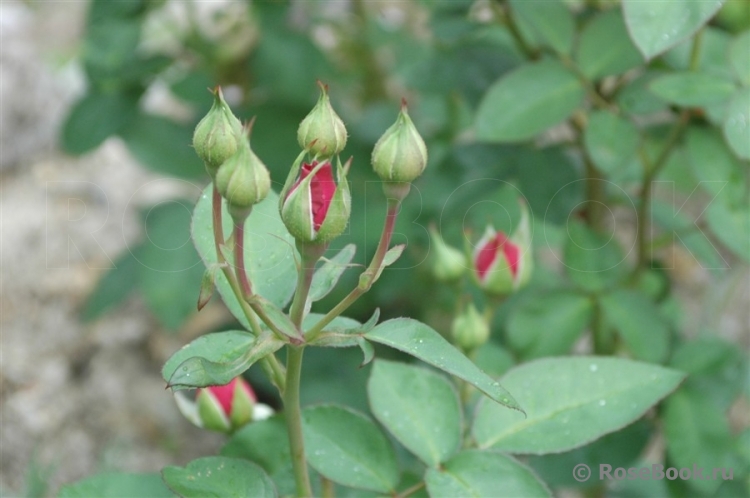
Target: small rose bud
(226, 408)
(469, 329)
(313, 207)
(400, 155)
(503, 265)
(218, 135)
(322, 133)
(243, 180)
(447, 263)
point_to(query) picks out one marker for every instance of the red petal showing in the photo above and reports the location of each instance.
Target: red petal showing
(513, 256)
(322, 188)
(488, 253)
(224, 395)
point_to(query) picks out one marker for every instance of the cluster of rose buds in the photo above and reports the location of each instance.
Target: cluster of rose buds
(223, 408)
(224, 145)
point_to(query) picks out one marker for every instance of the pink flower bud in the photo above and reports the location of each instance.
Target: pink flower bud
(226, 408)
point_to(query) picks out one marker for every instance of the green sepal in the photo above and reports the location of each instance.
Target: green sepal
(211, 413)
(291, 178)
(499, 277)
(242, 407)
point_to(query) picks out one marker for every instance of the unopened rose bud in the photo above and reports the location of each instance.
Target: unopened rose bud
(218, 135)
(447, 263)
(400, 155)
(470, 330)
(226, 408)
(322, 133)
(314, 207)
(503, 265)
(243, 180)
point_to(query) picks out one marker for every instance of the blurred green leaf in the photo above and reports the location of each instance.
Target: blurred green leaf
(545, 22)
(636, 98)
(163, 146)
(113, 287)
(641, 326)
(266, 443)
(658, 26)
(571, 401)
(421, 341)
(170, 270)
(96, 117)
(364, 459)
(328, 274)
(712, 56)
(691, 89)
(529, 100)
(739, 55)
(117, 485)
(606, 30)
(494, 359)
(737, 124)
(483, 473)
(548, 324)
(594, 261)
(419, 407)
(714, 165)
(219, 477)
(611, 141)
(731, 225)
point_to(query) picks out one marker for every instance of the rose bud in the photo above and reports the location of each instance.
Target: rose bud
(503, 265)
(470, 330)
(313, 207)
(447, 263)
(322, 133)
(218, 135)
(228, 407)
(400, 155)
(243, 180)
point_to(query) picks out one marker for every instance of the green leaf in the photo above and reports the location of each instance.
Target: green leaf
(636, 98)
(658, 26)
(691, 89)
(163, 146)
(494, 359)
(641, 326)
(713, 164)
(737, 124)
(96, 117)
(117, 485)
(528, 101)
(545, 22)
(570, 402)
(266, 443)
(619, 449)
(475, 473)
(215, 359)
(268, 251)
(170, 270)
(327, 276)
(113, 287)
(739, 56)
(731, 225)
(697, 433)
(219, 477)
(611, 141)
(348, 448)
(419, 407)
(421, 341)
(548, 324)
(606, 30)
(594, 261)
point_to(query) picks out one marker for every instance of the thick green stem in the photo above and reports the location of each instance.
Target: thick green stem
(309, 255)
(293, 415)
(368, 277)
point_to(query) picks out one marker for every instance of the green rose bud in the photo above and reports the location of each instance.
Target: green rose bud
(322, 133)
(218, 135)
(400, 155)
(470, 330)
(447, 263)
(243, 179)
(313, 206)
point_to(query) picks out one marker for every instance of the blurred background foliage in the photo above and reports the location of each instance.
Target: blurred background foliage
(626, 164)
